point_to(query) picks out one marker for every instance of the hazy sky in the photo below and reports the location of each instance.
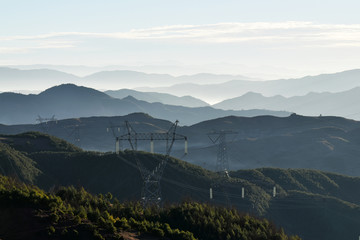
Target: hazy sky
(259, 38)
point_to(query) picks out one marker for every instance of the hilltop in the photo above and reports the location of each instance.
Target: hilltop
(30, 142)
(15, 150)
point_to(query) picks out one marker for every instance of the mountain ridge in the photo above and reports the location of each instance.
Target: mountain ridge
(342, 103)
(151, 97)
(335, 82)
(212, 84)
(72, 101)
(106, 79)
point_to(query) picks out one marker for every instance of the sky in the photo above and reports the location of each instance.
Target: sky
(265, 39)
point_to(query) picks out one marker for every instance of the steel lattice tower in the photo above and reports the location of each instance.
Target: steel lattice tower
(75, 133)
(222, 162)
(151, 191)
(46, 123)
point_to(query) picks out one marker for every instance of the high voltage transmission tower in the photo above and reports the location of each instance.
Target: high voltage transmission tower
(75, 133)
(151, 192)
(222, 161)
(222, 166)
(46, 123)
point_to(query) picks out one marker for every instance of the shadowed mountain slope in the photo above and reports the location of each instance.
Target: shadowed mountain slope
(71, 101)
(303, 196)
(15, 150)
(323, 143)
(327, 104)
(151, 97)
(15, 164)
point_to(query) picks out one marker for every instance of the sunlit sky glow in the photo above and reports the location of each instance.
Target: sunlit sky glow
(265, 39)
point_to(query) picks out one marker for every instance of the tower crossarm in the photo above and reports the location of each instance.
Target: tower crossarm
(151, 192)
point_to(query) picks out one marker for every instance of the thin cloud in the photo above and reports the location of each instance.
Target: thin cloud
(305, 33)
(43, 45)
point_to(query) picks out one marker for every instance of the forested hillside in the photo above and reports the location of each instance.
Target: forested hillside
(28, 212)
(303, 197)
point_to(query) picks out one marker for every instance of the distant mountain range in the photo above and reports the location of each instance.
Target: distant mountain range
(207, 87)
(313, 104)
(336, 82)
(15, 79)
(169, 68)
(151, 97)
(35, 79)
(71, 101)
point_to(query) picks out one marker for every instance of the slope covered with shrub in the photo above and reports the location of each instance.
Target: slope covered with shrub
(38, 142)
(15, 163)
(308, 203)
(70, 213)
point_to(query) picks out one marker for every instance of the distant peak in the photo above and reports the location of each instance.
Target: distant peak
(66, 86)
(130, 98)
(252, 94)
(70, 88)
(137, 115)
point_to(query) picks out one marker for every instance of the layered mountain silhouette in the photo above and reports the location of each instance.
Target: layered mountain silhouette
(208, 87)
(69, 101)
(151, 97)
(124, 78)
(330, 104)
(323, 143)
(15, 79)
(35, 79)
(336, 82)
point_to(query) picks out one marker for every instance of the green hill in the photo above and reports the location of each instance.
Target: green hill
(15, 149)
(14, 163)
(303, 197)
(28, 212)
(37, 142)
